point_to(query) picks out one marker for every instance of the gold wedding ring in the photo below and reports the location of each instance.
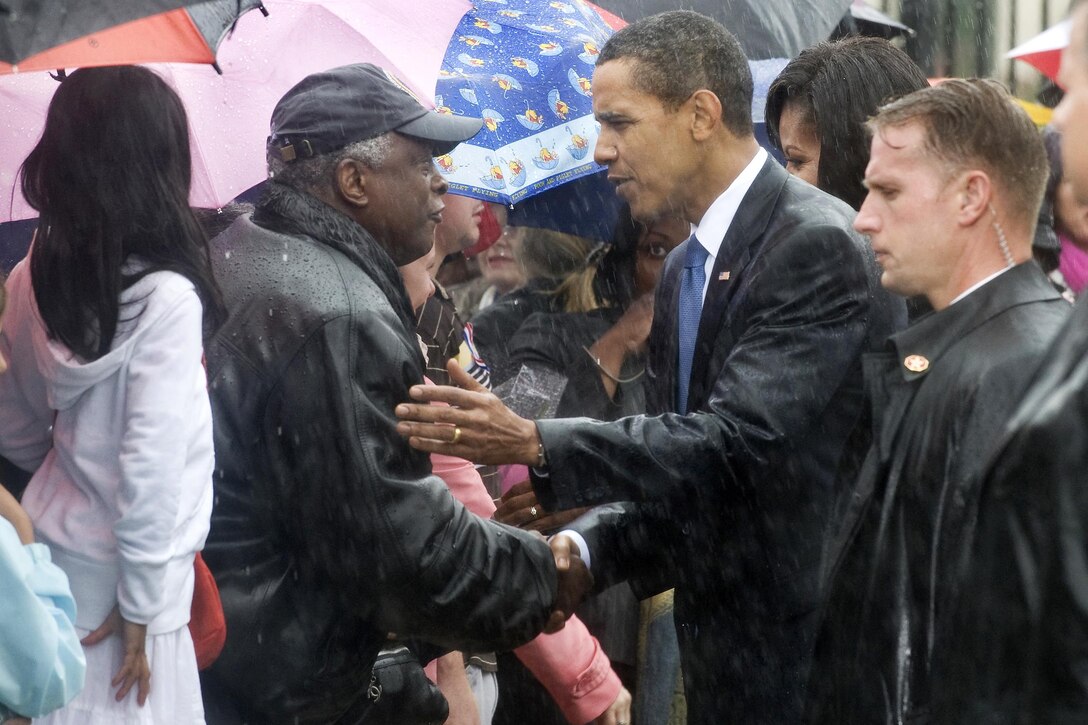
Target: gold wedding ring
(456, 434)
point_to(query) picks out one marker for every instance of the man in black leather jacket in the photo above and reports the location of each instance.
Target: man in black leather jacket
(329, 532)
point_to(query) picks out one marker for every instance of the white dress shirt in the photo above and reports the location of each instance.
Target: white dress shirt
(711, 229)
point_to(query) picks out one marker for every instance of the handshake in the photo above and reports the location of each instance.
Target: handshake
(575, 581)
(475, 425)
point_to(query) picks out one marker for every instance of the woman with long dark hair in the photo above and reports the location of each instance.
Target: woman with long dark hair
(106, 397)
(818, 105)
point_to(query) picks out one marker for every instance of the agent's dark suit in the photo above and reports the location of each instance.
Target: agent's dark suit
(735, 504)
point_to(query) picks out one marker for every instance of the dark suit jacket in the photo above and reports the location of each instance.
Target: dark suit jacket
(734, 505)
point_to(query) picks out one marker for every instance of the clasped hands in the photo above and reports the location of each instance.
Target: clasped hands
(574, 581)
(478, 427)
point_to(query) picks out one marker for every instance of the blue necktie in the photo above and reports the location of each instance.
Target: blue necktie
(691, 309)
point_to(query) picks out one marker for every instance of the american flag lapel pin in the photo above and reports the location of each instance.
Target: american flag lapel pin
(723, 276)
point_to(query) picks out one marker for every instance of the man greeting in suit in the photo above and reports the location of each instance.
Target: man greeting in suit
(731, 490)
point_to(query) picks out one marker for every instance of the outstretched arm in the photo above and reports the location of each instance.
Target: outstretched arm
(364, 509)
(806, 325)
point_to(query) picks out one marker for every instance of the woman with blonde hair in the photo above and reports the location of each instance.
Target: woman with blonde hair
(559, 269)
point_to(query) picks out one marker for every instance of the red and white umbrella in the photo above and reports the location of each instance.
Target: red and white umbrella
(1044, 51)
(190, 34)
(263, 58)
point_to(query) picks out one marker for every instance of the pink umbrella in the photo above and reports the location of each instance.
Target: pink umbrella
(1044, 51)
(228, 113)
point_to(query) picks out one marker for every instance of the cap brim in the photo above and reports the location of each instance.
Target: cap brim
(442, 130)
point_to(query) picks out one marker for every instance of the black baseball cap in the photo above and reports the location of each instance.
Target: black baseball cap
(327, 111)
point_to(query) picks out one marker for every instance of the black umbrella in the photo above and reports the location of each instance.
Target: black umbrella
(765, 28)
(28, 27)
(866, 20)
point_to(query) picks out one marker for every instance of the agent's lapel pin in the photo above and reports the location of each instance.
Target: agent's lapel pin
(916, 363)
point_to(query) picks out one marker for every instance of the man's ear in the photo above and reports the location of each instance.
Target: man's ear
(706, 114)
(351, 182)
(976, 193)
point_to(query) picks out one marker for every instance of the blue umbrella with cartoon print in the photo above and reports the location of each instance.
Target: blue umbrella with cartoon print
(525, 66)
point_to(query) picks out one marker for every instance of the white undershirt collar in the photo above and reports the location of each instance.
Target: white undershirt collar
(714, 225)
(979, 284)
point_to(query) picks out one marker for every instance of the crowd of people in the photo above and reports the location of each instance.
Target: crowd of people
(731, 441)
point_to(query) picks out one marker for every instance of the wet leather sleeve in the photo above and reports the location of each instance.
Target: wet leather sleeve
(366, 511)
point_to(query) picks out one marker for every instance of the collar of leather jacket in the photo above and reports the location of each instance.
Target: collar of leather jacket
(287, 210)
(932, 335)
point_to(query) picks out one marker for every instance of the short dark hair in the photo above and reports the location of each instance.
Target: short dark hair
(680, 52)
(837, 87)
(974, 122)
